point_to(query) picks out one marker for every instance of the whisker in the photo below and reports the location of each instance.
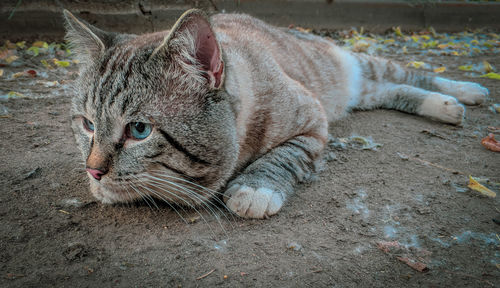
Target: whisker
(166, 200)
(192, 195)
(211, 192)
(204, 201)
(189, 204)
(140, 194)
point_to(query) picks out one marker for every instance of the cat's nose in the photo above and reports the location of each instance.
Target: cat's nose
(96, 173)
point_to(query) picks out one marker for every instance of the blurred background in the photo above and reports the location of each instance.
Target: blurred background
(36, 18)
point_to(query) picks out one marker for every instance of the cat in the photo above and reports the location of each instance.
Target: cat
(228, 103)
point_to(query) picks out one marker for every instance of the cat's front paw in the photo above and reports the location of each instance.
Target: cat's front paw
(443, 108)
(253, 203)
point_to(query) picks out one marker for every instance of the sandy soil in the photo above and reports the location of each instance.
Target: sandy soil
(331, 234)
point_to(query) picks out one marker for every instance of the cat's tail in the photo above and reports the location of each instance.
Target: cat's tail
(387, 84)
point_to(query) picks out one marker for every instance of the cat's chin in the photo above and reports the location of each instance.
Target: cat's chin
(109, 195)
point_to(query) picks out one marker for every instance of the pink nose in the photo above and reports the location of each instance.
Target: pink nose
(96, 173)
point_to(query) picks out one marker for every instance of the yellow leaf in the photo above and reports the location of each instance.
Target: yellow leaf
(496, 36)
(433, 32)
(389, 41)
(440, 69)
(397, 31)
(415, 64)
(1, 72)
(491, 75)
(11, 59)
(13, 94)
(465, 67)
(46, 64)
(474, 185)
(425, 37)
(18, 74)
(10, 45)
(475, 42)
(61, 63)
(21, 44)
(415, 38)
(40, 44)
(487, 67)
(454, 53)
(442, 46)
(34, 50)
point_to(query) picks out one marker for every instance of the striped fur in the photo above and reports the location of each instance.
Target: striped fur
(257, 135)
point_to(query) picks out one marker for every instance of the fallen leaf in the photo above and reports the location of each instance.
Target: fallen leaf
(439, 69)
(40, 44)
(465, 67)
(415, 64)
(21, 44)
(10, 45)
(490, 143)
(495, 107)
(13, 94)
(46, 64)
(1, 72)
(475, 185)
(419, 266)
(487, 67)
(61, 63)
(397, 31)
(11, 59)
(33, 51)
(491, 75)
(31, 72)
(386, 246)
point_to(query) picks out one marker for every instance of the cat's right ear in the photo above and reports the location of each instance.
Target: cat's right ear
(86, 40)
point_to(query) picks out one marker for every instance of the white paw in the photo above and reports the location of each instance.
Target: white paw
(253, 203)
(443, 108)
(471, 93)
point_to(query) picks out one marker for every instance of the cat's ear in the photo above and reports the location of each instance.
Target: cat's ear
(193, 37)
(85, 39)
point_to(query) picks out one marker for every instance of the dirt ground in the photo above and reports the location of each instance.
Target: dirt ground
(356, 225)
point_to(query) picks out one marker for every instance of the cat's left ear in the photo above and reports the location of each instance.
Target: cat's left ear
(193, 34)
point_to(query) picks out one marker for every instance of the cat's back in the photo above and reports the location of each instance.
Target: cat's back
(266, 52)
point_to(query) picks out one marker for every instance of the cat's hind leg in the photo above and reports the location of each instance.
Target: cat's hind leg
(382, 71)
(406, 98)
(263, 187)
(466, 92)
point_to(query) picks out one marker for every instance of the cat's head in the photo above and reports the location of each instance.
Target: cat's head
(149, 112)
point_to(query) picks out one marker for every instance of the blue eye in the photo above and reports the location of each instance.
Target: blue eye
(87, 124)
(139, 130)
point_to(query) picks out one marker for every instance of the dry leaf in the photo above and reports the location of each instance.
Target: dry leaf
(474, 185)
(40, 44)
(415, 64)
(465, 67)
(490, 143)
(11, 59)
(487, 67)
(491, 75)
(419, 266)
(439, 69)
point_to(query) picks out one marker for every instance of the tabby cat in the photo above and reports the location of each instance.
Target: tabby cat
(228, 103)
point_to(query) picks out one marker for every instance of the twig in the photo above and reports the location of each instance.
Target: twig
(432, 164)
(206, 274)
